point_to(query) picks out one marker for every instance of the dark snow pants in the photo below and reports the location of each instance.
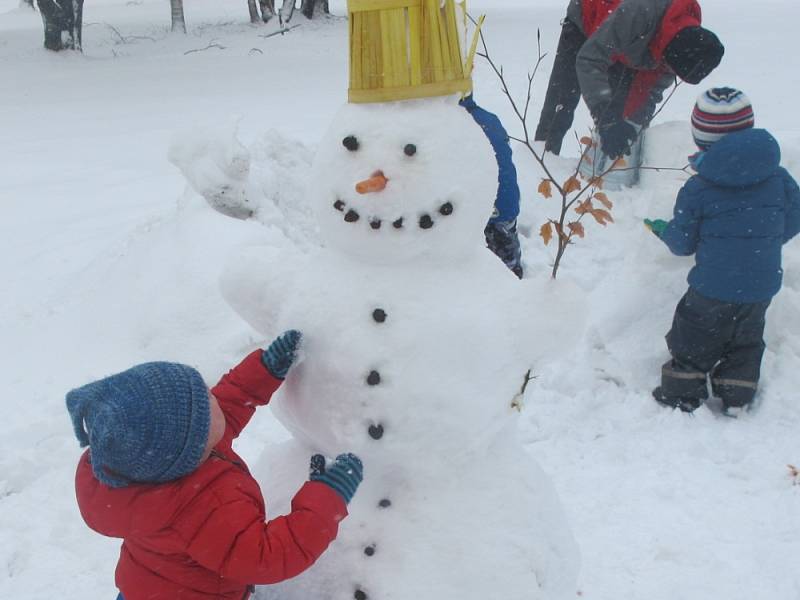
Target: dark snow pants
(722, 339)
(563, 90)
(503, 240)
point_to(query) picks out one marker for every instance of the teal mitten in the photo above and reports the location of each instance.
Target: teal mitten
(657, 226)
(282, 353)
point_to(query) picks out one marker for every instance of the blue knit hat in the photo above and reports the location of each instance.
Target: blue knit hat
(147, 424)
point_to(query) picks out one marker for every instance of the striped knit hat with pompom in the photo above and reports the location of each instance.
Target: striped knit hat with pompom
(720, 111)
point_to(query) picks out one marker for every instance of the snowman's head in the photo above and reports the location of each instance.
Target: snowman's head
(404, 180)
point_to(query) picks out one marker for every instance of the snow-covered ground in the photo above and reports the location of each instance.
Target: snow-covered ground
(107, 260)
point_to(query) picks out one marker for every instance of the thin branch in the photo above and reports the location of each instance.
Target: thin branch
(516, 402)
(209, 47)
(685, 169)
(281, 31)
(122, 39)
(674, 89)
(522, 115)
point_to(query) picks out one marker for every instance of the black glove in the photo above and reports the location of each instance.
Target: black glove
(616, 138)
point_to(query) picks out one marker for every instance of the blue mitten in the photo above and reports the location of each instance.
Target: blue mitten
(343, 475)
(280, 355)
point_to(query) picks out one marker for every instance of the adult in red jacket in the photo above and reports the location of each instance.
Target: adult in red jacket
(621, 55)
(203, 535)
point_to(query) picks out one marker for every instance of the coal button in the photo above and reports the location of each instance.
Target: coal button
(374, 378)
(376, 432)
(379, 315)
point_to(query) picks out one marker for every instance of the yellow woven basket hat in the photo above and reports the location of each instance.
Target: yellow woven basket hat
(404, 49)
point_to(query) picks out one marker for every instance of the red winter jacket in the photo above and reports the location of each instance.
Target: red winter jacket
(635, 33)
(205, 535)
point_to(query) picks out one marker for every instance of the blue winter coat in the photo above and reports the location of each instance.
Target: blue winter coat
(735, 215)
(507, 202)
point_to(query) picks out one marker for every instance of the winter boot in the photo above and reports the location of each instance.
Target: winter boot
(686, 404)
(682, 386)
(734, 412)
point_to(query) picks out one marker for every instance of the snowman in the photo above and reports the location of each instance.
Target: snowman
(417, 347)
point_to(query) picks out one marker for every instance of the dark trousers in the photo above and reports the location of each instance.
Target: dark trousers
(503, 240)
(719, 338)
(563, 90)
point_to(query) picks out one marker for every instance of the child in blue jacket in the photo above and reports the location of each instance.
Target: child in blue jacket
(501, 231)
(734, 216)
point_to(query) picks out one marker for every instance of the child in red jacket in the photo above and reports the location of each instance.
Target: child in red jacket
(160, 473)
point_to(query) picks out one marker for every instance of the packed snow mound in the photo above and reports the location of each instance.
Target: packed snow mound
(266, 182)
(217, 167)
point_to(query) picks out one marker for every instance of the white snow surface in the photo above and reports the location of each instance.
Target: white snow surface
(109, 259)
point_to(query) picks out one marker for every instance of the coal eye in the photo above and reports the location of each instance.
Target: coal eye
(351, 143)
(410, 149)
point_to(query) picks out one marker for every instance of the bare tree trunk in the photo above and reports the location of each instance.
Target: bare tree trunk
(253, 8)
(178, 22)
(313, 8)
(287, 10)
(63, 22)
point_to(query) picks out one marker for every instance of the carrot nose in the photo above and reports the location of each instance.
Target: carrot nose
(376, 183)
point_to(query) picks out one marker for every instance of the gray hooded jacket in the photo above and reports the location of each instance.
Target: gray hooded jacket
(624, 36)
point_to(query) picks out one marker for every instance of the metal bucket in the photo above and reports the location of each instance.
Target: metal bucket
(594, 163)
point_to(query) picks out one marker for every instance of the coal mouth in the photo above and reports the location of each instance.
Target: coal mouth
(424, 221)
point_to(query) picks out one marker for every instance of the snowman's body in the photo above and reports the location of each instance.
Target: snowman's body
(416, 341)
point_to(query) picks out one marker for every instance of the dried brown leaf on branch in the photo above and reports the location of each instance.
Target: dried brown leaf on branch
(572, 185)
(546, 232)
(545, 188)
(577, 229)
(794, 472)
(603, 199)
(584, 207)
(560, 231)
(587, 141)
(601, 216)
(619, 163)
